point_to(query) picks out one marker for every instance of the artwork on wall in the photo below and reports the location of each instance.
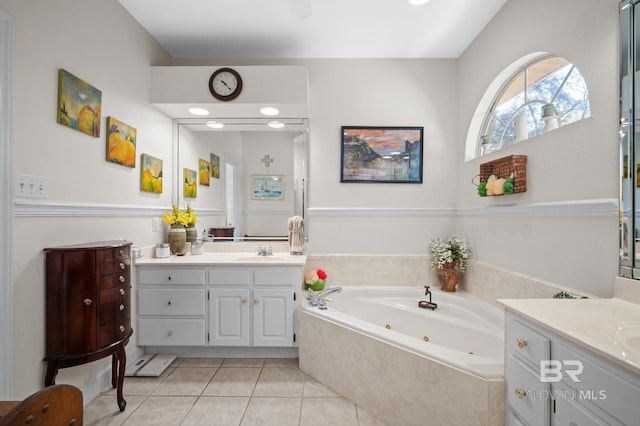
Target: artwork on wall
(267, 187)
(215, 166)
(121, 143)
(190, 179)
(381, 154)
(204, 170)
(151, 174)
(79, 104)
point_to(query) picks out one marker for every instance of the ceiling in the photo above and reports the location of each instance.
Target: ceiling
(286, 29)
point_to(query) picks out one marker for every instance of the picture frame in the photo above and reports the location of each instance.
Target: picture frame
(190, 183)
(204, 172)
(121, 143)
(151, 174)
(267, 187)
(79, 104)
(381, 154)
(214, 160)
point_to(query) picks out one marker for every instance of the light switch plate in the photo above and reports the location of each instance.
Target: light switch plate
(31, 186)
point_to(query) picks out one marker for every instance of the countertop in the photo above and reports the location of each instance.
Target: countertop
(226, 258)
(607, 327)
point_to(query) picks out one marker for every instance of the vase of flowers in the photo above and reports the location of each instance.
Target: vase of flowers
(315, 279)
(192, 233)
(450, 260)
(177, 236)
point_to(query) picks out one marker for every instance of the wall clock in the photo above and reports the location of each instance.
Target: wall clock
(225, 84)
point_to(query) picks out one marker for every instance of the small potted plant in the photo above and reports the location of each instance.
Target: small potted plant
(449, 258)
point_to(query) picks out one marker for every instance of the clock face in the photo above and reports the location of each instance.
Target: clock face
(225, 84)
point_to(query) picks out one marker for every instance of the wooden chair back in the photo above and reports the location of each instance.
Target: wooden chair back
(55, 405)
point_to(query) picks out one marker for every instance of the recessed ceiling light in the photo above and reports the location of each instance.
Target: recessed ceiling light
(215, 125)
(198, 111)
(418, 2)
(276, 125)
(269, 111)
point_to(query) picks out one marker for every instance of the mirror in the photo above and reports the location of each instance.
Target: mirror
(257, 175)
(629, 138)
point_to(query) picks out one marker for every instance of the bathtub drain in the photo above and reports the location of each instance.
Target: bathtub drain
(387, 326)
(425, 338)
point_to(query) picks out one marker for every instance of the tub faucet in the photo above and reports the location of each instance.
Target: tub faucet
(318, 298)
(427, 304)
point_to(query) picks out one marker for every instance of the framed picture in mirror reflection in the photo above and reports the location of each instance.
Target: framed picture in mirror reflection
(267, 187)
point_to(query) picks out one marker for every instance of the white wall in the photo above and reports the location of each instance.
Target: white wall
(89, 199)
(571, 244)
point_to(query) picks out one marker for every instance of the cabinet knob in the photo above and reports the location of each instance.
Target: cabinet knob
(121, 307)
(122, 279)
(169, 303)
(121, 252)
(169, 278)
(520, 393)
(256, 302)
(121, 328)
(88, 301)
(122, 292)
(170, 333)
(122, 265)
(521, 343)
(244, 301)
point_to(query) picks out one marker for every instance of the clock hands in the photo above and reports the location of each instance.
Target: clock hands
(225, 83)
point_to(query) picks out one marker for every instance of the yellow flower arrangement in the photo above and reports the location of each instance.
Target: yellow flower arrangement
(177, 217)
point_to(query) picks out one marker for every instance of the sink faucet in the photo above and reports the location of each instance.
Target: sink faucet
(265, 251)
(318, 298)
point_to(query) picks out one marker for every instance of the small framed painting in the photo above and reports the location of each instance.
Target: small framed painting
(151, 174)
(79, 104)
(215, 166)
(121, 143)
(267, 187)
(190, 179)
(381, 154)
(204, 172)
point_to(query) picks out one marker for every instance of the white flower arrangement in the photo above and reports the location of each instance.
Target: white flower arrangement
(455, 250)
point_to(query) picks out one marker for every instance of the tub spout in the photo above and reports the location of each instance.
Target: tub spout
(318, 298)
(427, 304)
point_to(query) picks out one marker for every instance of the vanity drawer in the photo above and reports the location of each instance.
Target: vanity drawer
(525, 394)
(526, 342)
(276, 276)
(171, 276)
(171, 332)
(230, 276)
(168, 302)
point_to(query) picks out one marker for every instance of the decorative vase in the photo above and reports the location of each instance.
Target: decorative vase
(192, 234)
(177, 239)
(448, 277)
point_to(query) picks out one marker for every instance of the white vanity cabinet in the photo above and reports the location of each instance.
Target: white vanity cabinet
(218, 305)
(552, 381)
(252, 306)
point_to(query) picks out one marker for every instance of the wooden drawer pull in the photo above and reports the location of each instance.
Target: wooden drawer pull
(521, 343)
(122, 292)
(88, 301)
(520, 393)
(122, 279)
(121, 328)
(122, 265)
(122, 307)
(121, 252)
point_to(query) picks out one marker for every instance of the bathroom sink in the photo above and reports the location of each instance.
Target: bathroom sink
(259, 258)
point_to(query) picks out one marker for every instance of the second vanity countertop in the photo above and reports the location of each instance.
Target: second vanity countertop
(226, 258)
(608, 327)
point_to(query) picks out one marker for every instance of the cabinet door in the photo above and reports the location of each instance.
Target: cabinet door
(273, 317)
(229, 316)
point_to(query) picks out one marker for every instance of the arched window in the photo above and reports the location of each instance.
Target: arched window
(544, 94)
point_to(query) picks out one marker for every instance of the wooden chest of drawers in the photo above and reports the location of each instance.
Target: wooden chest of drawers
(88, 296)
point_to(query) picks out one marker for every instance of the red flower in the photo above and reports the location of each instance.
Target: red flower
(321, 274)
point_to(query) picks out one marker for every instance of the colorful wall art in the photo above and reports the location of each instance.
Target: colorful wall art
(267, 187)
(215, 166)
(204, 170)
(151, 174)
(190, 179)
(79, 104)
(121, 143)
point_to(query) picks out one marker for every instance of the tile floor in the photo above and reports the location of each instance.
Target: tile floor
(231, 391)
